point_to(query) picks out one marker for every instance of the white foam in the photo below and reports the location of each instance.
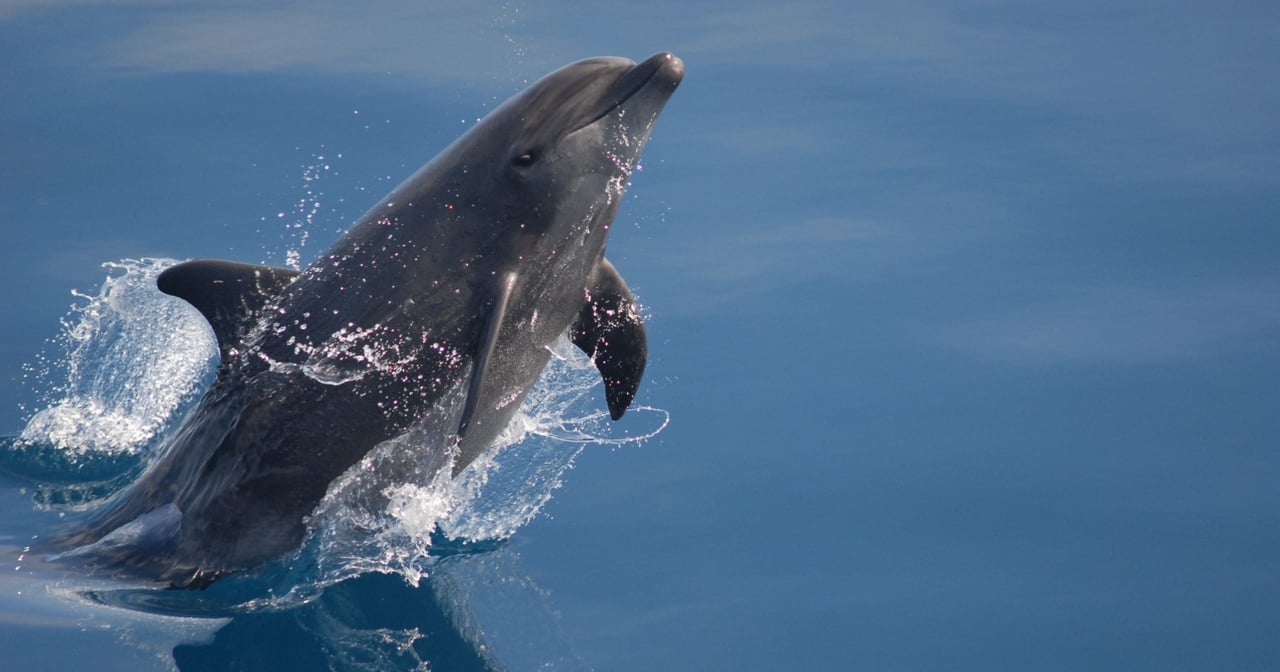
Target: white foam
(130, 357)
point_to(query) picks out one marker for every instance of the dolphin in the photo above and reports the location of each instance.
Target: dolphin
(437, 308)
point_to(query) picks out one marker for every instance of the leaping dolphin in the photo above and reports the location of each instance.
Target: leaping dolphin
(447, 292)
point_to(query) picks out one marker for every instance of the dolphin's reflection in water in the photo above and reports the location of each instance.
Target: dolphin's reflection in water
(475, 612)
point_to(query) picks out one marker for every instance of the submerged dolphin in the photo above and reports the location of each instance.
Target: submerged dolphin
(445, 295)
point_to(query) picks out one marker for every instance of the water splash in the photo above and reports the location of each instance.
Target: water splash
(394, 510)
(127, 359)
(510, 483)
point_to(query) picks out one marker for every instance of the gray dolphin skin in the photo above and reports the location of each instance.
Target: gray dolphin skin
(436, 309)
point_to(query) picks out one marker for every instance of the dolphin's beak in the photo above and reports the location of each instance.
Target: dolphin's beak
(663, 69)
(659, 75)
(667, 68)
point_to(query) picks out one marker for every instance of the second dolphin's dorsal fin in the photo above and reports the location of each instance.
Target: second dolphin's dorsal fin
(229, 294)
(610, 330)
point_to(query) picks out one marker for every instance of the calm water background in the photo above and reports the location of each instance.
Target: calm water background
(967, 315)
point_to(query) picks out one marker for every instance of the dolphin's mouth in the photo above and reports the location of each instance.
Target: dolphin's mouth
(662, 70)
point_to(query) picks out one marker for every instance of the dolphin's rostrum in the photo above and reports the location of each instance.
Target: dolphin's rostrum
(446, 294)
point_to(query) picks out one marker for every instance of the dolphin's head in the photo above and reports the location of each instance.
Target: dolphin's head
(558, 155)
(579, 130)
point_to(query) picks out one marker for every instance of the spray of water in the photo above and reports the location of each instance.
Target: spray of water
(296, 223)
(126, 360)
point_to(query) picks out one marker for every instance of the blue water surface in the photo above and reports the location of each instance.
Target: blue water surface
(966, 317)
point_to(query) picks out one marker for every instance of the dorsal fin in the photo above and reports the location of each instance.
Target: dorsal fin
(610, 330)
(229, 294)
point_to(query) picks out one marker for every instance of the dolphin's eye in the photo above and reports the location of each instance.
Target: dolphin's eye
(523, 160)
